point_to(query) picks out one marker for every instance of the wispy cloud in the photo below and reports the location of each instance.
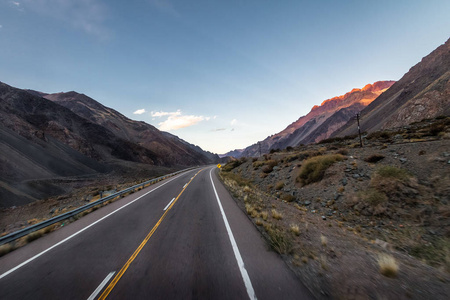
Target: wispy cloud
(15, 3)
(233, 122)
(176, 120)
(163, 113)
(85, 15)
(219, 129)
(139, 111)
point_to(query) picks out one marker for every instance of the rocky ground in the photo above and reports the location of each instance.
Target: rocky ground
(357, 223)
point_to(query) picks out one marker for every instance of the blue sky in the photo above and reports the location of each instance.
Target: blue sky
(219, 74)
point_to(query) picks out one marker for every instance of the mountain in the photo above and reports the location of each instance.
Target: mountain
(423, 92)
(44, 144)
(173, 150)
(322, 120)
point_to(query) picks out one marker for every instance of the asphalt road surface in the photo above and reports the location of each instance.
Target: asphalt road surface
(182, 238)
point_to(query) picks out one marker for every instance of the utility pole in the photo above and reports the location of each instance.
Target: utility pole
(359, 130)
(259, 144)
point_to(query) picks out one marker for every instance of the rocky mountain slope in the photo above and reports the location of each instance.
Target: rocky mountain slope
(322, 120)
(357, 223)
(43, 143)
(423, 92)
(173, 149)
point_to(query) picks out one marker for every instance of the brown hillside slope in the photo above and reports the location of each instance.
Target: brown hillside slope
(423, 92)
(322, 120)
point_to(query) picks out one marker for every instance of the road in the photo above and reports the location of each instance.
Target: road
(182, 238)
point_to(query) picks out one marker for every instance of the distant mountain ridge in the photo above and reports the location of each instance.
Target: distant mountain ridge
(43, 142)
(173, 149)
(423, 92)
(322, 120)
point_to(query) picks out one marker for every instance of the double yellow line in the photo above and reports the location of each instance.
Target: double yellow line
(119, 275)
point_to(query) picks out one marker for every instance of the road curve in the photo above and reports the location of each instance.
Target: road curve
(183, 238)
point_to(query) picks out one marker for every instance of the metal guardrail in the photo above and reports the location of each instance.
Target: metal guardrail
(23, 232)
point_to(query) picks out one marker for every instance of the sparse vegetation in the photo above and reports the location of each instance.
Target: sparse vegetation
(279, 240)
(388, 265)
(323, 240)
(279, 185)
(276, 215)
(295, 229)
(314, 168)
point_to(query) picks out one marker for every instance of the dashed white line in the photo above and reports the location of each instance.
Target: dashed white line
(165, 208)
(185, 185)
(101, 286)
(237, 254)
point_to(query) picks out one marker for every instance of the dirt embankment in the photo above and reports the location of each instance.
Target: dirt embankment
(357, 223)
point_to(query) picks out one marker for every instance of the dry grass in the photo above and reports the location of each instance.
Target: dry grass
(5, 249)
(314, 168)
(323, 240)
(295, 229)
(276, 215)
(279, 185)
(264, 215)
(279, 240)
(388, 265)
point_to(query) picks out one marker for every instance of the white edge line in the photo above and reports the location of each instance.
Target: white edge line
(101, 286)
(165, 208)
(185, 185)
(80, 231)
(237, 254)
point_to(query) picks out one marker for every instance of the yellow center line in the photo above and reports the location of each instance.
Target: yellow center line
(135, 254)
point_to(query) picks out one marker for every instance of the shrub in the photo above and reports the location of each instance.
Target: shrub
(314, 168)
(279, 240)
(323, 240)
(276, 215)
(379, 135)
(269, 166)
(391, 172)
(295, 229)
(231, 165)
(374, 158)
(264, 215)
(279, 185)
(373, 197)
(288, 197)
(388, 265)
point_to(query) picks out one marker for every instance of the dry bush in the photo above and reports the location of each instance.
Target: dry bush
(388, 265)
(384, 135)
(264, 215)
(314, 168)
(373, 197)
(288, 197)
(279, 240)
(295, 229)
(5, 249)
(279, 185)
(231, 165)
(270, 164)
(259, 222)
(323, 240)
(276, 215)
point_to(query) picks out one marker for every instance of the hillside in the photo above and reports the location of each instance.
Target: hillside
(423, 92)
(48, 150)
(357, 223)
(172, 149)
(322, 120)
